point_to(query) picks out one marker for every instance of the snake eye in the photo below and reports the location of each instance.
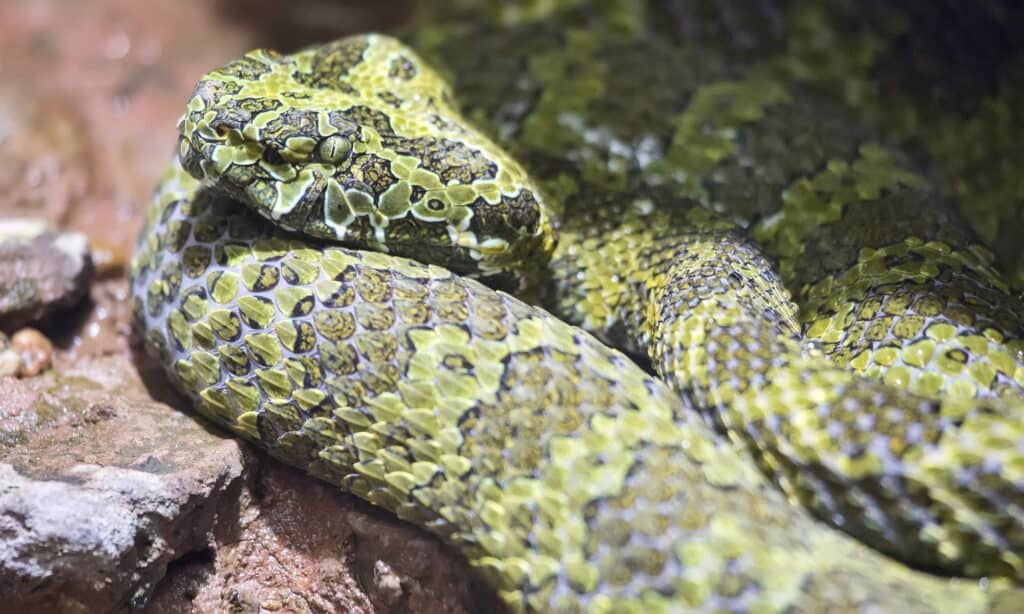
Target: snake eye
(334, 149)
(272, 157)
(435, 205)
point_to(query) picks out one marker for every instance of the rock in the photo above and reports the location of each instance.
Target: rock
(111, 500)
(34, 350)
(47, 170)
(41, 271)
(101, 488)
(304, 547)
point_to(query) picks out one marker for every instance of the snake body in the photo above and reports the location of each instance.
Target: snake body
(305, 276)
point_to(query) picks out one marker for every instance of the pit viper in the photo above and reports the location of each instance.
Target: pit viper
(828, 413)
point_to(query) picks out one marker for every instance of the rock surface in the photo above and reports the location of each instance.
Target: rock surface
(41, 270)
(35, 351)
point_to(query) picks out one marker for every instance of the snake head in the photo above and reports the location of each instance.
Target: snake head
(360, 141)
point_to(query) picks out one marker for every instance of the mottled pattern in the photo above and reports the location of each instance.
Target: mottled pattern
(695, 187)
(358, 141)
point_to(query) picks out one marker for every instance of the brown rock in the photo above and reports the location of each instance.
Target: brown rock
(304, 547)
(34, 350)
(41, 271)
(43, 143)
(101, 488)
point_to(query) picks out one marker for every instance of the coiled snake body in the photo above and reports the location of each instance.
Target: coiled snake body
(304, 275)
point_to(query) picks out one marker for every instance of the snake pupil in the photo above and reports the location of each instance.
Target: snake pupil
(334, 149)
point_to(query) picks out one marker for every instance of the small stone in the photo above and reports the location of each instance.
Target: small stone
(389, 584)
(41, 270)
(109, 258)
(34, 351)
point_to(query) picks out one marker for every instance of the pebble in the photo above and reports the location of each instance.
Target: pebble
(34, 350)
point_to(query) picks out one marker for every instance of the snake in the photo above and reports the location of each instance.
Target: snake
(633, 318)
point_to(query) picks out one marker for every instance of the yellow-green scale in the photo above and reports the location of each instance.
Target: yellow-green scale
(573, 480)
(686, 217)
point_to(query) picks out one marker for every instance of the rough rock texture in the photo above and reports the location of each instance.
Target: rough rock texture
(101, 488)
(302, 547)
(94, 505)
(34, 349)
(41, 270)
(112, 497)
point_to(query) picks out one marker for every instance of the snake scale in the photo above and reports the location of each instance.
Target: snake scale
(830, 414)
